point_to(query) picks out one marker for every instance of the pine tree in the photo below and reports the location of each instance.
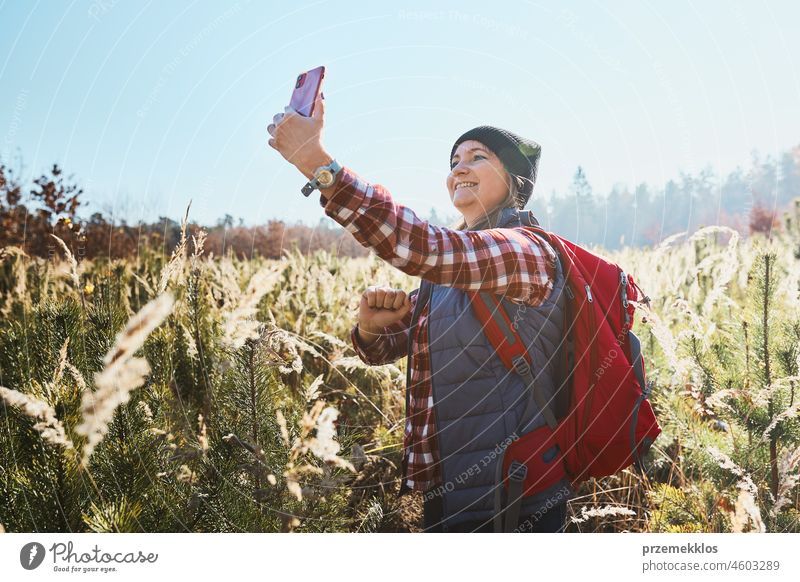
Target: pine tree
(746, 372)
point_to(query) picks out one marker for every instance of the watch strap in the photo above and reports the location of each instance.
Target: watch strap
(334, 167)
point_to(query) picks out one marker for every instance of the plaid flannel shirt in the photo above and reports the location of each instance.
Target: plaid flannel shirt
(514, 262)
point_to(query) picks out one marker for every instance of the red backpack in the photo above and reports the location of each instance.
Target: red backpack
(610, 423)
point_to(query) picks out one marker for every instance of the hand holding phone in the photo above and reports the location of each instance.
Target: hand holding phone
(297, 132)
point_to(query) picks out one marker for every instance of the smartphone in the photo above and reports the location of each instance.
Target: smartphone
(306, 89)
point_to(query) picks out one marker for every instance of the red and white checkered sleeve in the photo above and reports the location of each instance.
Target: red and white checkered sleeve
(514, 262)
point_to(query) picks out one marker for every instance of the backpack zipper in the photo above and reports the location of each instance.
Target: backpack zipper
(593, 368)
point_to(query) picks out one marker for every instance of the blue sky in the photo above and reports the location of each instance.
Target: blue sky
(150, 104)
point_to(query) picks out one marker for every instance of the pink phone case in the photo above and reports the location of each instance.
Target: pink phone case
(306, 89)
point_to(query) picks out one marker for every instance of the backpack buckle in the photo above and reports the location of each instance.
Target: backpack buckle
(521, 366)
(517, 471)
(648, 388)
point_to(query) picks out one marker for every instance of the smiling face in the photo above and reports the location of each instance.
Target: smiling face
(478, 181)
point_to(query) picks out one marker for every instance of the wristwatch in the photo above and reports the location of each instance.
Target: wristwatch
(324, 177)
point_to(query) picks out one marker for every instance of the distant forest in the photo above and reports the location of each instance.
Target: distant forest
(752, 200)
(748, 201)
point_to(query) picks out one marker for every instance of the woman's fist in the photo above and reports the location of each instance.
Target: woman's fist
(382, 306)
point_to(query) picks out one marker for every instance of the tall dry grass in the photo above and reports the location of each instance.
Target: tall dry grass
(218, 394)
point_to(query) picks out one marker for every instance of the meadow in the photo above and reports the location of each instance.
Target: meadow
(202, 393)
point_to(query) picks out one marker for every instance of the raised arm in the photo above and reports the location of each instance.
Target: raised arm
(511, 261)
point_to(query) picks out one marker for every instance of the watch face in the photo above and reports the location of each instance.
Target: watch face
(325, 177)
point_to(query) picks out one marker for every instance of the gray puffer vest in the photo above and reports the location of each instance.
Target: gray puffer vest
(478, 402)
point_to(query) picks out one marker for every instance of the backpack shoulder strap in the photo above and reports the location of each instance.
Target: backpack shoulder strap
(511, 349)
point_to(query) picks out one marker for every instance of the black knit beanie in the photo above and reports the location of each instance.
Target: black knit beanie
(520, 156)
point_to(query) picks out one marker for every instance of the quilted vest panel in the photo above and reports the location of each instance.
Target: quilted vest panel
(478, 401)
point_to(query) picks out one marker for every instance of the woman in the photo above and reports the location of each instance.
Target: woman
(462, 404)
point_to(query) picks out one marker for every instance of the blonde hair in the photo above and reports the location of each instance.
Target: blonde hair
(493, 216)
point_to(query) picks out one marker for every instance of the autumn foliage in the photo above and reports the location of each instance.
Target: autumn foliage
(54, 200)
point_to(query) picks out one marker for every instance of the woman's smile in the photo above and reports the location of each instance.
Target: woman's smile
(466, 185)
